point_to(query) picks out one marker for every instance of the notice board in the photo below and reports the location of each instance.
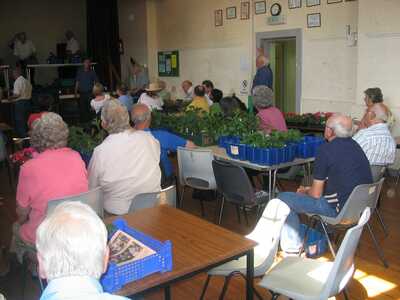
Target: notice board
(168, 63)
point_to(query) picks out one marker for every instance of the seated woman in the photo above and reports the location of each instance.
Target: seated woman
(371, 97)
(199, 99)
(271, 118)
(151, 97)
(216, 96)
(56, 172)
(99, 97)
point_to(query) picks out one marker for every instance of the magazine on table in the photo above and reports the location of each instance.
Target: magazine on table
(126, 249)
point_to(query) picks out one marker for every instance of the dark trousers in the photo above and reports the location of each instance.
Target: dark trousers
(85, 112)
(21, 113)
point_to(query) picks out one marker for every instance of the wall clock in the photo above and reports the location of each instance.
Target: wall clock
(276, 9)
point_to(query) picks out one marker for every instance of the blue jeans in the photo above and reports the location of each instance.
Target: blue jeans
(22, 109)
(291, 241)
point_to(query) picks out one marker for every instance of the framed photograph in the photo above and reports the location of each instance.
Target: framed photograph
(245, 10)
(314, 20)
(260, 7)
(313, 3)
(334, 1)
(218, 14)
(294, 4)
(231, 12)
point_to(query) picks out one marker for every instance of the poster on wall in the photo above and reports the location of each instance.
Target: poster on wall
(168, 63)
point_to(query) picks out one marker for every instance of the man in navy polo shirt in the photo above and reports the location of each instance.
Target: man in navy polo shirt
(141, 117)
(340, 165)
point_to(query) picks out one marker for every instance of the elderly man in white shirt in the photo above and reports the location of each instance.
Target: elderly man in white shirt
(126, 163)
(188, 90)
(376, 140)
(25, 51)
(21, 97)
(72, 44)
(151, 97)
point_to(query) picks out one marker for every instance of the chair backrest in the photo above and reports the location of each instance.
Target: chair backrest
(363, 195)
(233, 182)
(147, 200)
(195, 168)
(343, 266)
(377, 172)
(93, 198)
(268, 231)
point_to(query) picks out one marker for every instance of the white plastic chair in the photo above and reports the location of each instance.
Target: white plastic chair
(147, 200)
(308, 279)
(378, 172)
(92, 198)
(267, 234)
(195, 170)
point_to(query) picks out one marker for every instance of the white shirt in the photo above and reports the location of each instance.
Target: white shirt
(189, 94)
(377, 143)
(209, 101)
(152, 103)
(23, 51)
(72, 45)
(97, 105)
(125, 164)
(23, 88)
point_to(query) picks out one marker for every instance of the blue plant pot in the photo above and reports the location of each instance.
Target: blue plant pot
(274, 156)
(258, 155)
(291, 151)
(266, 157)
(281, 155)
(242, 151)
(233, 150)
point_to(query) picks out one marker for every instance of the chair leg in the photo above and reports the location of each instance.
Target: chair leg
(221, 210)
(245, 215)
(238, 212)
(275, 296)
(203, 292)
(380, 219)
(377, 247)
(328, 238)
(182, 196)
(346, 296)
(202, 208)
(225, 287)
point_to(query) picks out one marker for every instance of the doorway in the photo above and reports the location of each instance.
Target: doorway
(283, 48)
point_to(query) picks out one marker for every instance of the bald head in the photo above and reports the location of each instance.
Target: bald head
(338, 126)
(141, 116)
(261, 61)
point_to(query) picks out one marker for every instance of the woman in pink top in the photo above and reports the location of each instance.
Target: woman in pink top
(56, 172)
(271, 118)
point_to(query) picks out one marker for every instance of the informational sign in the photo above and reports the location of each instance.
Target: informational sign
(168, 63)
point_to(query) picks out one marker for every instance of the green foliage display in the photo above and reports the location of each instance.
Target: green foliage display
(86, 139)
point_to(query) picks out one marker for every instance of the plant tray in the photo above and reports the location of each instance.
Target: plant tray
(116, 277)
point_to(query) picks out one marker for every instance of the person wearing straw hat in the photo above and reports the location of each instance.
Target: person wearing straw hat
(151, 98)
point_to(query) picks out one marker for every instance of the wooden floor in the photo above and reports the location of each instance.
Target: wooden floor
(371, 280)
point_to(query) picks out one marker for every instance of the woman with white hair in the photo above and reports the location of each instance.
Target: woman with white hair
(126, 163)
(271, 118)
(73, 253)
(100, 97)
(56, 172)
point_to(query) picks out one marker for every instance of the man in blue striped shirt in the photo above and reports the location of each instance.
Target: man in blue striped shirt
(376, 140)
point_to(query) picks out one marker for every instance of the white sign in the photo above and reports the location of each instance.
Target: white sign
(244, 87)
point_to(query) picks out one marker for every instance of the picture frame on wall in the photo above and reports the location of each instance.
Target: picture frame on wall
(313, 20)
(231, 12)
(334, 1)
(294, 4)
(260, 7)
(218, 17)
(310, 3)
(245, 10)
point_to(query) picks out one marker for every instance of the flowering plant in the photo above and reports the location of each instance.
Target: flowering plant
(307, 119)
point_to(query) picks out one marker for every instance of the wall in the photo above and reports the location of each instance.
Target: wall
(133, 32)
(45, 22)
(226, 54)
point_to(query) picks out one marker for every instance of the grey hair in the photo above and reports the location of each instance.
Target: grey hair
(49, 132)
(263, 96)
(115, 117)
(380, 113)
(142, 117)
(72, 241)
(339, 127)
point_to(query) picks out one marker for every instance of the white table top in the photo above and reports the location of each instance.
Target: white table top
(57, 65)
(4, 66)
(220, 154)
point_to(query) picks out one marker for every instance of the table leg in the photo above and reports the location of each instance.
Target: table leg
(167, 293)
(274, 183)
(28, 74)
(269, 184)
(250, 274)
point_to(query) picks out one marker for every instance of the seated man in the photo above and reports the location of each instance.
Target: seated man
(126, 163)
(375, 139)
(340, 165)
(73, 253)
(187, 87)
(208, 86)
(199, 100)
(124, 97)
(141, 117)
